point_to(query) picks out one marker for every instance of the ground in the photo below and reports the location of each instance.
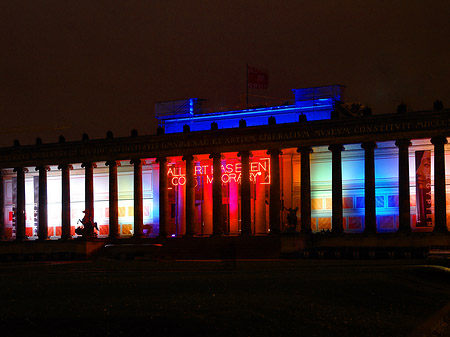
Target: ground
(225, 298)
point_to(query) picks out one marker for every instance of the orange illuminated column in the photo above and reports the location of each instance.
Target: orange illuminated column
(246, 220)
(370, 218)
(336, 189)
(113, 199)
(440, 221)
(217, 194)
(20, 204)
(137, 188)
(163, 197)
(65, 201)
(2, 210)
(190, 195)
(305, 188)
(275, 202)
(43, 215)
(403, 185)
(89, 188)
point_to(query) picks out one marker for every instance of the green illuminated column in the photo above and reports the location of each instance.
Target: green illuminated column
(217, 194)
(440, 216)
(336, 189)
(275, 202)
(65, 201)
(163, 197)
(246, 220)
(43, 213)
(370, 217)
(138, 208)
(113, 200)
(305, 188)
(403, 185)
(190, 195)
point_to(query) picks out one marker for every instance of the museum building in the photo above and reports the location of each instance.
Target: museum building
(252, 171)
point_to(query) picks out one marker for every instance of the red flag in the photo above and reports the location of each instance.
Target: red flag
(257, 78)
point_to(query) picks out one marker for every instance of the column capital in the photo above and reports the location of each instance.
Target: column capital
(161, 160)
(65, 166)
(215, 155)
(21, 169)
(89, 165)
(403, 143)
(113, 163)
(245, 153)
(336, 147)
(137, 161)
(303, 149)
(188, 157)
(439, 140)
(42, 167)
(369, 145)
(275, 152)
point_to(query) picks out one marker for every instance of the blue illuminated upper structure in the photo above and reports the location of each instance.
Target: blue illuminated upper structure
(315, 103)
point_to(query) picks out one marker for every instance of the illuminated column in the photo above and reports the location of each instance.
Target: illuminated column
(275, 202)
(2, 212)
(65, 201)
(89, 188)
(190, 195)
(138, 208)
(43, 212)
(20, 204)
(305, 188)
(217, 194)
(113, 199)
(403, 185)
(163, 197)
(440, 221)
(246, 217)
(336, 189)
(370, 217)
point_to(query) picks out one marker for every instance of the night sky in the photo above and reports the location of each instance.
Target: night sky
(68, 67)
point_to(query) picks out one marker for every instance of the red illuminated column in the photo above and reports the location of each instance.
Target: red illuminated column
(65, 201)
(305, 188)
(246, 220)
(336, 189)
(275, 202)
(370, 218)
(217, 194)
(403, 185)
(43, 213)
(163, 197)
(190, 195)
(89, 188)
(2, 214)
(440, 221)
(138, 208)
(113, 199)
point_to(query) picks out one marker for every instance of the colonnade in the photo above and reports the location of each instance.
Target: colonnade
(245, 188)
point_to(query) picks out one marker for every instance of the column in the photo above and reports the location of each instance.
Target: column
(440, 216)
(42, 208)
(336, 189)
(20, 204)
(403, 185)
(89, 189)
(217, 194)
(274, 201)
(138, 200)
(2, 210)
(65, 201)
(190, 195)
(246, 217)
(163, 197)
(113, 200)
(305, 188)
(370, 217)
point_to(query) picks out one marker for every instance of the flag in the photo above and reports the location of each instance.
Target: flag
(257, 78)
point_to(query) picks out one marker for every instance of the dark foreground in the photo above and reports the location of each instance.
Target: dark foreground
(216, 298)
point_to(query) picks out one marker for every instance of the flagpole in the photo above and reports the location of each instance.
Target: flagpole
(246, 76)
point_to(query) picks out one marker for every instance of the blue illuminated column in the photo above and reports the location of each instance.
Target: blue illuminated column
(137, 188)
(217, 194)
(42, 208)
(336, 192)
(275, 202)
(305, 188)
(20, 204)
(65, 201)
(404, 223)
(163, 197)
(113, 199)
(440, 220)
(190, 195)
(370, 217)
(246, 220)
(2, 214)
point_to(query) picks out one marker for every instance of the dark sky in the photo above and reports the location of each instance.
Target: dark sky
(68, 67)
